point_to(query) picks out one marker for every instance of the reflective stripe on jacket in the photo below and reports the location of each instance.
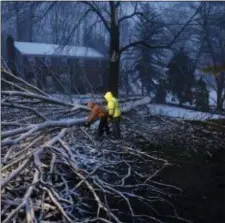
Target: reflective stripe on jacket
(112, 105)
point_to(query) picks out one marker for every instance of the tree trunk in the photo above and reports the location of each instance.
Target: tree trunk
(142, 89)
(114, 77)
(220, 86)
(18, 29)
(219, 103)
(30, 23)
(24, 22)
(114, 51)
(126, 82)
(11, 54)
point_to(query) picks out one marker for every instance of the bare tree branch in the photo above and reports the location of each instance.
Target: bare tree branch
(98, 12)
(164, 46)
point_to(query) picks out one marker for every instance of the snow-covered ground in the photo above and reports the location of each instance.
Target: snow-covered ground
(176, 112)
(169, 98)
(212, 99)
(173, 100)
(136, 88)
(156, 109)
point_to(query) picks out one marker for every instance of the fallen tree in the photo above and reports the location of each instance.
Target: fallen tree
(53, 170)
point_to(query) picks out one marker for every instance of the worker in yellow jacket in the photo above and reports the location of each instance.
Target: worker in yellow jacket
(114, 113)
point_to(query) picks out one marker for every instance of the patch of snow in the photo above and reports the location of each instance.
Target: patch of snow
(86, 159)
(212, 97)
(171, 111)
(173, 100)
(31, 48)
(95, 125)
(155, 81)
(136, 87)
(156, 109)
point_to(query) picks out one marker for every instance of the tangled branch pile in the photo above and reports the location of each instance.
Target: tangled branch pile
(53, 170)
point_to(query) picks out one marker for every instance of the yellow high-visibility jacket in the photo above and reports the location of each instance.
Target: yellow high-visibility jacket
(113, 107)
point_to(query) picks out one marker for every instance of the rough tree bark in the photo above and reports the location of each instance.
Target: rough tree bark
(216, 52)
(114, 50)
(220, 81)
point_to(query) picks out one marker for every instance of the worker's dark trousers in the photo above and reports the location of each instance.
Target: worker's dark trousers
(103, 126)
(116, 127)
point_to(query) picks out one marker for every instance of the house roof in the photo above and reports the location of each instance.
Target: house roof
(31, 48)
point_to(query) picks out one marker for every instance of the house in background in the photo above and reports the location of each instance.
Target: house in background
(55, 68)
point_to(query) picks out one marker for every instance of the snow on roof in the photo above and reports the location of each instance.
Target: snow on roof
(31, 48)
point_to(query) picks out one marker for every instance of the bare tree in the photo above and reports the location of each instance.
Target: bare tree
(24, 16)
(213, 32)
(110, 15)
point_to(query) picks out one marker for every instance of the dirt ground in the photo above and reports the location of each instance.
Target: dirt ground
(197, 155)
(202, 178)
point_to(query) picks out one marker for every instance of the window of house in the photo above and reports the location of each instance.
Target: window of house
(64, 60)
(81, 62)
(100, 63)
(64, 63)
(31, 60)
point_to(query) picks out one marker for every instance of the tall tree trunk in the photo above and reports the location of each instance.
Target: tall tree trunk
(11, 54)
(18, 22)
(142, 89)
(219, 103)
(24, 22)
(30, 23)
(220, 86)
(114, 51)
(114, 77)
